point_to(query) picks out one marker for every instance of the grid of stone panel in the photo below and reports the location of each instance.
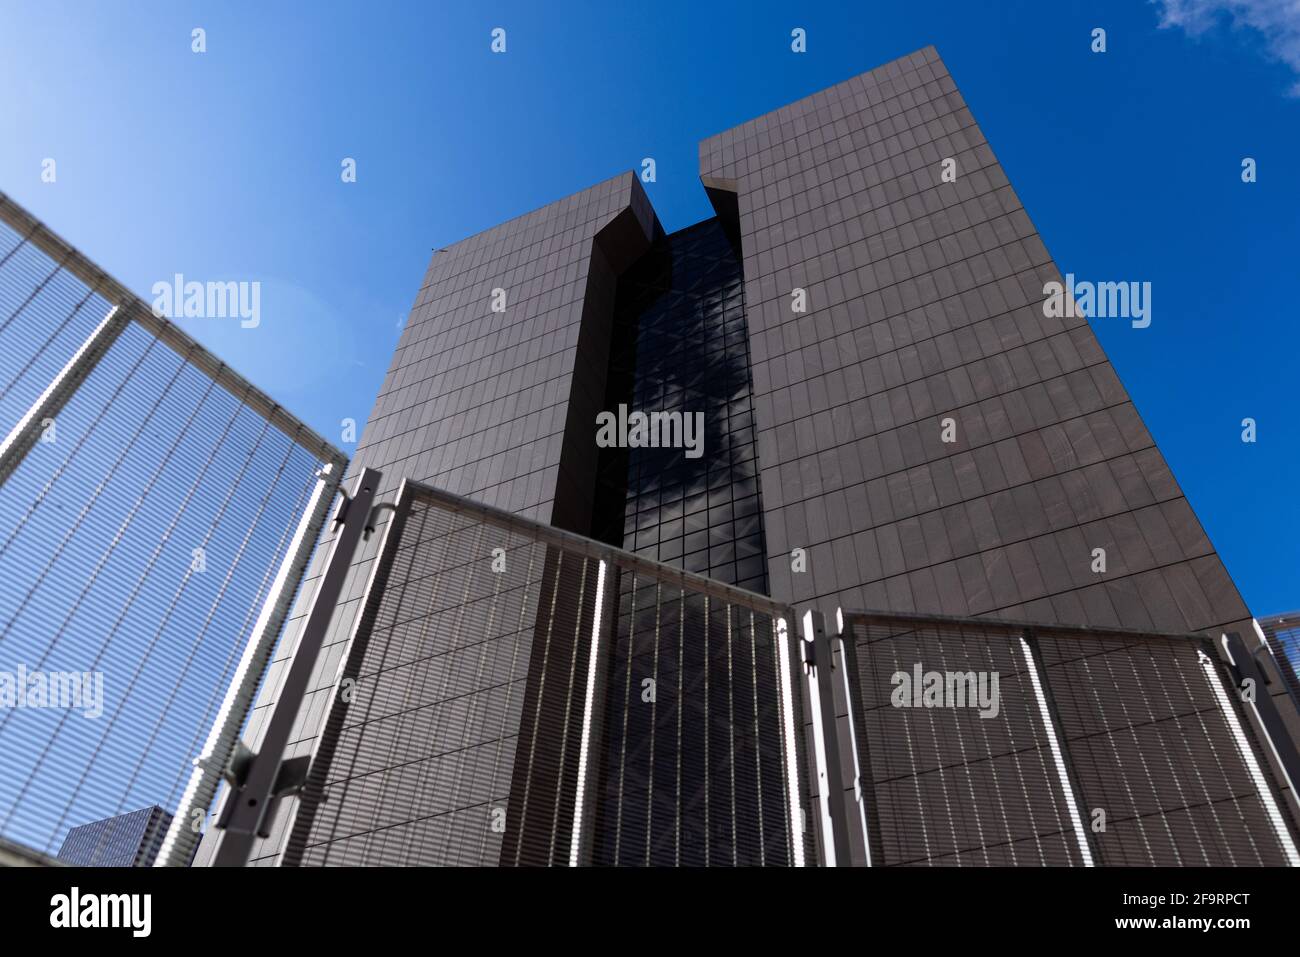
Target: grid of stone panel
(680, 343)
(1155, 772)
(477, 401)
(925, 302)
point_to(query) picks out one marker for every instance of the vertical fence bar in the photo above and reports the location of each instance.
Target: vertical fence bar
(47, 406)
(1267, 720)
(1042, 682)
(1058, 755)
(298, 826)
(182, 837)
(787, 646)
(244, 817)
(580, 839)
(830, 773)
(1209, 667)
(848, 682)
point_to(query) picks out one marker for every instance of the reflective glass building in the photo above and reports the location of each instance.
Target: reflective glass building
(125, 840)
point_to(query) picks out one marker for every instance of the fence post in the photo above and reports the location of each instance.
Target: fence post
(245, 815)
(182, 837)
(830, 773)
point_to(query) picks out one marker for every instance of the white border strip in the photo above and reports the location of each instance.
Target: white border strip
(1248, 756)
(853, 736)
(791, 765)
(575, 839)
(819, 745)
(1075, 820)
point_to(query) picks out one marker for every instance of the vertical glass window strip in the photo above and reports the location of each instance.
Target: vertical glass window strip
(679, 346)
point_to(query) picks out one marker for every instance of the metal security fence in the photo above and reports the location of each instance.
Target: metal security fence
(518, 695)
(46, 314)
(692, 771)
(1281, 634)
(998, 743)
(156, 511)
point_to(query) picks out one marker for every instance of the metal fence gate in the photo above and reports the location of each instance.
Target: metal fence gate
(518, 695)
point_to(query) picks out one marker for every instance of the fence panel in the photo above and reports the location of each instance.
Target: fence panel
(999, 743)
(46, 313)
(147, 512)
(518, 695)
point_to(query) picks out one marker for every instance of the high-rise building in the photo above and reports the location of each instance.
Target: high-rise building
(868, 414)
(124, 840)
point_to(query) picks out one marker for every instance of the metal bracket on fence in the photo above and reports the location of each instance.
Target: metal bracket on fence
(370, 518)
(289, 780)
(1245, 666)
(819, 662)
(1263, 672)
(266, 778)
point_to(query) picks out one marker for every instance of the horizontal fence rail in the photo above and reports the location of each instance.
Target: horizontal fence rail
(1002, 743)
(517, 695)
(151, 513)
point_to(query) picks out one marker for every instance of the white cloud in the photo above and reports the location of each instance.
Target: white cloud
(1278, 21)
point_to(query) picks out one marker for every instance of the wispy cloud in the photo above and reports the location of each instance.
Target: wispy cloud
(1277, 21)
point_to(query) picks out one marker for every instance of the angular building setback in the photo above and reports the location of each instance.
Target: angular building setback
(895, 439)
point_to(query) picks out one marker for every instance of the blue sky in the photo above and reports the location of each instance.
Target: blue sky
(225, 165)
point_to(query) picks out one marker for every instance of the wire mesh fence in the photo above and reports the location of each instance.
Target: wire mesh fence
(517, 695)
(1282, 635)
(46, 313)
(151, 503)
(991, 743)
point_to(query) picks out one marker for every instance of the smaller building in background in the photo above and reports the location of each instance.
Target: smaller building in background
(124, 840)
